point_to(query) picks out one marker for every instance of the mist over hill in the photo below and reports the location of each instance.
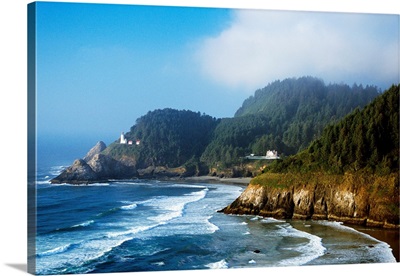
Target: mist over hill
(285, 116)
(365, 140)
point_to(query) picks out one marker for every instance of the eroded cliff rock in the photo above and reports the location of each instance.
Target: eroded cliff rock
(99, 147)
(78, 173)
(355, 199)
(95, 167)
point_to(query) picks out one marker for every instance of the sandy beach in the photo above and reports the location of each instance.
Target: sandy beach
(390, 236)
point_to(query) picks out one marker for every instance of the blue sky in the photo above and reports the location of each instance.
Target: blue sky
(101, 66)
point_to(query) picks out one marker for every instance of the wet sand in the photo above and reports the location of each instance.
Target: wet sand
(390, 236)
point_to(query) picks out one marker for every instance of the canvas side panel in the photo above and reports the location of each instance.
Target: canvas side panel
(31, 158)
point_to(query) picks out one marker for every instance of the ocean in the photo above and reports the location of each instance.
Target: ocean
(149, 225)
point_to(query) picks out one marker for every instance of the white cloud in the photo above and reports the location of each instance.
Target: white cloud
(262, 46)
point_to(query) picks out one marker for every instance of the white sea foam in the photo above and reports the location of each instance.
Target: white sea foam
(84, 224)
(130, 232)
(57, 250)
(172, 206)
(129, 207)
(257, 218)
(188, 213)
(339, 226)
(218, 265)
(95, 245)
(56, 170)
(81, 185)
(76, 255)
(308, 252)
(381, 250)
(97, 184)
(210, 226)
(271, 220)
(42, 182)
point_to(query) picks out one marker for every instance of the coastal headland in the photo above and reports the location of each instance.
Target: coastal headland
(350, 198)
(346, 171)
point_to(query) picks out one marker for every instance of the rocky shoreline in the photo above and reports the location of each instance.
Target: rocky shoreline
(98, 167)
(351, 200)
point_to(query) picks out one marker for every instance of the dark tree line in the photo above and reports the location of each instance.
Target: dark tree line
(233, 138)
(366, 139)
(284, 116)
(168, 137)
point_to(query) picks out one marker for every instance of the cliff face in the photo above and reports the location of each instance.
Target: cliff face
(95, 167)
(78, 173)
(352, 199)
(98, 166)
(99, 147)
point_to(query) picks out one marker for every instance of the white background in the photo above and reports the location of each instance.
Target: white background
(13, 138)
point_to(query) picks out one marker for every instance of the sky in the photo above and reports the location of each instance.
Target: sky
(102, 66)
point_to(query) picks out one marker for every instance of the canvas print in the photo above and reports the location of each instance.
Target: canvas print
(180, 138)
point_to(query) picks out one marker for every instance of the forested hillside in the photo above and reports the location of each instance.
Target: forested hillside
(168, 137)
(284, 116)
(294, 116)
(366, 139)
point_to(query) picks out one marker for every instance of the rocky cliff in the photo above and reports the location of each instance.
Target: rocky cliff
(98, 166)
(99, 147)
(354, 199)
(95, 167)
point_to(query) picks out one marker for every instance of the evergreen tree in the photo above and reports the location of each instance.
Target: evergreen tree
(366, 139)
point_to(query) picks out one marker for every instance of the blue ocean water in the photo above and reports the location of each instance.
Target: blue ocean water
(151, 226)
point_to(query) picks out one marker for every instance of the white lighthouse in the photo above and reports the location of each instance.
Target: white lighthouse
(122, 139)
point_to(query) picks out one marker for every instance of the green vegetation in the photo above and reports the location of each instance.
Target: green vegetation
(285, 116)
(167, 137)
(232, 139)
(366, 140)
(322, 128)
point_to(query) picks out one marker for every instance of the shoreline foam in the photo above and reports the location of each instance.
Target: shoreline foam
(389, 236)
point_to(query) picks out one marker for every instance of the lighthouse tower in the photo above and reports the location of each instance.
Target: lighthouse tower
(122, 140)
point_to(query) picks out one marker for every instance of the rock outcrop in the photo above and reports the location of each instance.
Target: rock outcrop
(351, 201)
(99, 147)
(78, 173)
(106, 167)
(95, 167)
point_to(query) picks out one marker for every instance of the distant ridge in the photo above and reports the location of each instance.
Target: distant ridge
(350, 174)
(283, 117)
(366, 139)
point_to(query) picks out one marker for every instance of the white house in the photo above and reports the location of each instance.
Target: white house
(272, 154)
